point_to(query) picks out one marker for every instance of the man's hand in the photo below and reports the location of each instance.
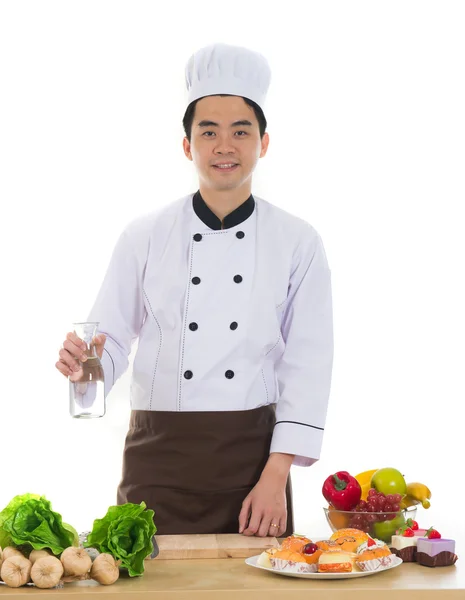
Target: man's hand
(74, 350)
(264, 510)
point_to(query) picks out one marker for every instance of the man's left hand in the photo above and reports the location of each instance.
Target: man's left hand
(264, 510)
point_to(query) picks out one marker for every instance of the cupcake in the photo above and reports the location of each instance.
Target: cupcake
(291, 561)
(349, 539)
(335, 561)
(373, 555)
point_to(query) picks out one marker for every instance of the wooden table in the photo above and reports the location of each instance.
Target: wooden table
(232, 579)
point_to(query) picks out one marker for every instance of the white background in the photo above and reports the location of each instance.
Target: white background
(366, 121)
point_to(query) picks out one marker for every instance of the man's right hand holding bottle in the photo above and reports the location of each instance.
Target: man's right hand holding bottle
(73, 351)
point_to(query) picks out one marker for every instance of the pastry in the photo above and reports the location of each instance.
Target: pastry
(335, 561)
(419, 532)
(404, 546)
(311, 553)
(327, 545)
(372, 555)
(292, 561)
(349, 539)
(295, 542)
(436, 552)
(264, 558)
(404, 542)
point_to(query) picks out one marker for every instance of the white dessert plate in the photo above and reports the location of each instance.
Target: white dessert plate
(252, 562)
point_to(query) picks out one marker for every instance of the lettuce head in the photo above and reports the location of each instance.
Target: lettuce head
(29, 520)
(125, 532)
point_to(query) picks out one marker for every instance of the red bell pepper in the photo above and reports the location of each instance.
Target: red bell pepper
(342, 491)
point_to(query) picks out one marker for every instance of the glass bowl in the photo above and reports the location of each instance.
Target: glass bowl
(380, 525)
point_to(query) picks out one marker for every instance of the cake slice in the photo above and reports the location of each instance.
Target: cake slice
(436, 552)
(405, 547)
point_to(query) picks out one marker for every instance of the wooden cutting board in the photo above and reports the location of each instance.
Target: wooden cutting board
(224, 545)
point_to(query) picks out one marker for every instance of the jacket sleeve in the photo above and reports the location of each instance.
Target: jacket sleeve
(305, 368)
(119, 309)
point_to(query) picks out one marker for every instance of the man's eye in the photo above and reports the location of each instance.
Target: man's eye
(205, 133)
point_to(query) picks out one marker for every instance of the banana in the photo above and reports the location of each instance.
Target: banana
(417, 493)
(408, 501)
(364, 480)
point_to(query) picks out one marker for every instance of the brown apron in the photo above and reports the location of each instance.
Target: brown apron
(194, 469)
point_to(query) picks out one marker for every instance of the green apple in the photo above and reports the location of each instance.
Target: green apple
(384, 530)
(389, 481)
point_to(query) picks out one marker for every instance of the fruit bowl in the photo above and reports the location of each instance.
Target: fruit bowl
(380, 525)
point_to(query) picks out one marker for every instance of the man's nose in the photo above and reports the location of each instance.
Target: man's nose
(225, 145)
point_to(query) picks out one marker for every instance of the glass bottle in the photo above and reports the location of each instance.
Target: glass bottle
(87, 386)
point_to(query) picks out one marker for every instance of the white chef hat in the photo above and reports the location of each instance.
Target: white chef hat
(225, 69)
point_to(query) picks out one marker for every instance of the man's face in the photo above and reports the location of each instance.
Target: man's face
(225, 130)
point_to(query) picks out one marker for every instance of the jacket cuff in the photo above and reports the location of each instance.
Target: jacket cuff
(304, 441)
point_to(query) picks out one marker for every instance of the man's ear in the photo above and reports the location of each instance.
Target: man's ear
(265, 142)
(187, 148)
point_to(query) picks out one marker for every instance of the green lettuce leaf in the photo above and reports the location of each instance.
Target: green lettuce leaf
(29, 520)
(125, 532)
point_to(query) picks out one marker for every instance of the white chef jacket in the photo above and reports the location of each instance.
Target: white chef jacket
(227, 319)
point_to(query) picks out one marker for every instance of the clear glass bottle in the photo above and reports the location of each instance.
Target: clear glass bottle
(87, 386)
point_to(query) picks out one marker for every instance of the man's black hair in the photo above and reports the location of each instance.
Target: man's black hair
(189, 116)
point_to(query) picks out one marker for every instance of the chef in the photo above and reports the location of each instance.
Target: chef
(229, 298)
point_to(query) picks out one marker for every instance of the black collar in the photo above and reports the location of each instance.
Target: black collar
(205, 214)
